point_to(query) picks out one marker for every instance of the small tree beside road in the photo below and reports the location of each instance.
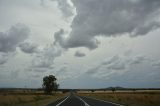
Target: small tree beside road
(50, 84)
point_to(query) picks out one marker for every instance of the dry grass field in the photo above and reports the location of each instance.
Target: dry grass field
(137, 98)
(27, 99)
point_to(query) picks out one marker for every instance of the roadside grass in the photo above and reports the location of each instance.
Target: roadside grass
(28, 100)
(128, 98)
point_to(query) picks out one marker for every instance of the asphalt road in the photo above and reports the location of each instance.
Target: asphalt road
(74, 100)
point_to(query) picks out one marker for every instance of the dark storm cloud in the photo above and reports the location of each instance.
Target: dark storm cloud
(10, 39)
(79, 54)
(110, 18)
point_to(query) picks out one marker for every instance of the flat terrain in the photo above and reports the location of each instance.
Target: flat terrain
(80, 98)
(28, 100)
(74, 100)
(137, 98)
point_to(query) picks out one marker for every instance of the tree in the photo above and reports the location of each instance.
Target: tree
(92, 90)
(113, 89)
(50, 84)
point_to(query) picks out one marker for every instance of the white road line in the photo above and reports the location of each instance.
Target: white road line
(86, 104)
(105, 101)
(62, 101)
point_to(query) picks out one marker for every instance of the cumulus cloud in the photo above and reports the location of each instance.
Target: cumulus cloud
(45, 58)
(66, 42)
(28, 47)
(10, 39)
(79, 54)
(111, 18)
(65, 6)
(59, 38)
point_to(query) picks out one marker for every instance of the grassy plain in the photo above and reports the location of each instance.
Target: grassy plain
(128, 98)
(28, 99)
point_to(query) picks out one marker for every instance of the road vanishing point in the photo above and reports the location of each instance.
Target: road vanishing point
(75, 100)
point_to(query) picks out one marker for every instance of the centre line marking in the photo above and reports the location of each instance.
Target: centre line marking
(62, 101)
(86, 104)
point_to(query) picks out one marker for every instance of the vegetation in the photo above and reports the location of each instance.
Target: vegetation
(49, 84)
(113, 90)
(28, 100)
(145, 98)
(31, 97)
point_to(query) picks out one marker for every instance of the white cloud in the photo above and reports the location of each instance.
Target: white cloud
(66, 8)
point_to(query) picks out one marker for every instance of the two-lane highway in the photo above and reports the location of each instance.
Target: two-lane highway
(74, 100)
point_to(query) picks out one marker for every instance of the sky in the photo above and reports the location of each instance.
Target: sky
(84, 43)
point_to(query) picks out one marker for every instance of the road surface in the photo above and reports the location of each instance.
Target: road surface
(74, 100)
